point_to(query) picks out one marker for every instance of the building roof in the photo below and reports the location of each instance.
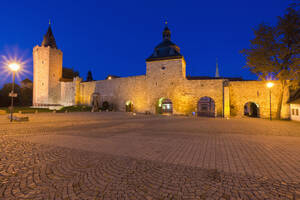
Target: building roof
(294, 97)
(66, 79)
(166, 49)
(26, 81)
(214, 78)
(49, 39)
(68, 73)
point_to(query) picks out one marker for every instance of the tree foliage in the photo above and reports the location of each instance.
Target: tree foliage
(24, 97)
(89, 76)
(5, 100)
(274, 53)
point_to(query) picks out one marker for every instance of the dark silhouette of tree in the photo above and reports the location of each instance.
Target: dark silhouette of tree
(5, 100)
(274, 53)
(89, 76)
(26, 96)
(76, 73)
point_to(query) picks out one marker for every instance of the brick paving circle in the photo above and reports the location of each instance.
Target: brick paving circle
(117, 156)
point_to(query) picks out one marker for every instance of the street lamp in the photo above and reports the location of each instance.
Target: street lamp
(270, 85)
(14, 67)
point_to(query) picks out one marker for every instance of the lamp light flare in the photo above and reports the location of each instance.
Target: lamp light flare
(14, 66)
(270, 84)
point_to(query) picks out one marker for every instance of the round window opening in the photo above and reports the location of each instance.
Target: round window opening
(163, 68)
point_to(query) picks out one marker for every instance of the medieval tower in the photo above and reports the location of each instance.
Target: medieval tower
(47, 72)
(166, 62)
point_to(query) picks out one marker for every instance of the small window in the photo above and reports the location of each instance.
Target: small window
(163, 68)
(297, 112)
(293, 111)
(172, 51)
(42, 62)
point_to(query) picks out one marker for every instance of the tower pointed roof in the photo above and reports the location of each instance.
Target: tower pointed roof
(166, 49)
(49, 39)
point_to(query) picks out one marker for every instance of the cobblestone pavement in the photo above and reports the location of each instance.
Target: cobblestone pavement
(120, 156)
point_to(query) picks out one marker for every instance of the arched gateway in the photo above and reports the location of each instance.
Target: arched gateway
(165, 106)
(129, 106)
(206, 107)
(95, 102)
(251, 109)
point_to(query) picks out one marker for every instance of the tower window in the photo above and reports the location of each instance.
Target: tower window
(42, 62)
(171, 52)
(163, 68)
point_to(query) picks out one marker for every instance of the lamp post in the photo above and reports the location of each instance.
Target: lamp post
(14, 67)
(270, 85)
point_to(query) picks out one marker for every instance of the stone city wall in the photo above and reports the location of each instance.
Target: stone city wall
(145, 94)
(257, 92)
(165, 79)
(67, 93)
(116, 91)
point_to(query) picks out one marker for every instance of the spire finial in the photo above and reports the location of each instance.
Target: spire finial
(167, 32)
(217, 68)
(49, 22)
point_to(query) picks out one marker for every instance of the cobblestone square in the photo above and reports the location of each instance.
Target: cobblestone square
(124, 156)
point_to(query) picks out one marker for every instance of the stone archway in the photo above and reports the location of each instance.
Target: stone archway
(129, 106)
(95, 102)
(251, 109)
(206, 107)
(164, 106)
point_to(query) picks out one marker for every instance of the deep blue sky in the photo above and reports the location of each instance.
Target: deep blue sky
(115, 37)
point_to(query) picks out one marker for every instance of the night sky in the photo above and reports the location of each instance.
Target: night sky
(115, 37)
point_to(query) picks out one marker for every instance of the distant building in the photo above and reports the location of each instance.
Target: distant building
(295, 106)
(109, 77)
(164, 88)
(26, 83)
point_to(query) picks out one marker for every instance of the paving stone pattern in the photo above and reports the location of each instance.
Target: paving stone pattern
(120, 156)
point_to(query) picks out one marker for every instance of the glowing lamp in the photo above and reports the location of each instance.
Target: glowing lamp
(270, 84)
(14, 67)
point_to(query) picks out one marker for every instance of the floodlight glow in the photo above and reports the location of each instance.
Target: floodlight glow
(14, 67)
(270, 84)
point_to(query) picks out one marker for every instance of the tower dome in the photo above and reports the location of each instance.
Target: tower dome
(166, 49)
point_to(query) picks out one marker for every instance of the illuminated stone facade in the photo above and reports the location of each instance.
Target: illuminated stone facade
(165, 78)
(47, 71)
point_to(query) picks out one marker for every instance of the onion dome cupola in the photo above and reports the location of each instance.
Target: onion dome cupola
(49, 39)
(166, 49)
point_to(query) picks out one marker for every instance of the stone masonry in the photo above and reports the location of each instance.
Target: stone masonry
(165, 78)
